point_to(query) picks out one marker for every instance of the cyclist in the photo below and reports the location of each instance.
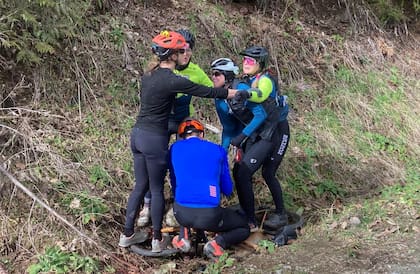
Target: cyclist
(182, 107)
(149, 136)
(258, 125)
(199, 175)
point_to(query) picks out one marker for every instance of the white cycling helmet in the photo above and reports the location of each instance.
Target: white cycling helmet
(227, 67)
(225, 64)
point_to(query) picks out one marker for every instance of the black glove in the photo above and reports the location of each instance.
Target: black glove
(242, 95)
(236, 141)
(256, 90)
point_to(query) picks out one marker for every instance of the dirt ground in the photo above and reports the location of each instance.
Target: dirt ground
(389, 246)
(323, 254)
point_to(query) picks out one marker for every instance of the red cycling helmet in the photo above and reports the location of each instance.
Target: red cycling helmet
(167, 43)
(188, 126)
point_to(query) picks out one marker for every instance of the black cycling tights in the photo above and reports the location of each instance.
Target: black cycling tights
(269, 155)
(150, 164)
(231, 227)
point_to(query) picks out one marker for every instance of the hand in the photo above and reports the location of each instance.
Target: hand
(242, 95)
(256, 90)
(236, 141)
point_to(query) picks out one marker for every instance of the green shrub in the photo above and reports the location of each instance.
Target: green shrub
(99, 176)
(31, 29)
(389, 12)
(58, 261)
(223, 262)
(85, 205)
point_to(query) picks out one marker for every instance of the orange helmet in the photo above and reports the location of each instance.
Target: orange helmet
(166, 43)
(189, 125)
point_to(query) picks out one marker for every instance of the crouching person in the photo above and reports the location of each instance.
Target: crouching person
(199, 175)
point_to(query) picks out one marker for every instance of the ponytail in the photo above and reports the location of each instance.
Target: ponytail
(153, 64)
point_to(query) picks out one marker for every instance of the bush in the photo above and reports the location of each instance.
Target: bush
(32, 29)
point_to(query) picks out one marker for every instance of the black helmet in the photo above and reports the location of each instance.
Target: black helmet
(227, 67)
(189, 37)
(258, 53)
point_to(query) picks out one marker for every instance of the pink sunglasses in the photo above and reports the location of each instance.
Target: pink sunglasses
(249, 61)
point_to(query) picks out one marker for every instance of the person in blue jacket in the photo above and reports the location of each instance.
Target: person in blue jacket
(263, 129)
(199, 173)
(223, 74)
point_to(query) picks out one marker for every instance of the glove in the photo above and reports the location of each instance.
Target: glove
(242, 95)
(236, 141)
(256, 90)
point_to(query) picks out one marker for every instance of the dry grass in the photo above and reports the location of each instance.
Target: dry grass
(51, 137)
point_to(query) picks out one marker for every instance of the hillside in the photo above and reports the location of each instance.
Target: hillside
(353, 87)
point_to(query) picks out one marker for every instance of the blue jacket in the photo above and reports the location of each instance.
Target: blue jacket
(199, 173)
(231, 126)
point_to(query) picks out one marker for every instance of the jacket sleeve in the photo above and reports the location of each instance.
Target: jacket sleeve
(257, 110)
(226, 185)
(259, 117)
(265, 85)
(230, 125)
(204, 79)
(186, 86)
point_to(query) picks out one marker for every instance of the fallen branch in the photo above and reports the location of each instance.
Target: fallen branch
(212, 128)
(61, 218)
(44, 205)
(42, 112)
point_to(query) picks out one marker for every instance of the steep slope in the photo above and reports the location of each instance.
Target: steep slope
(353, 89)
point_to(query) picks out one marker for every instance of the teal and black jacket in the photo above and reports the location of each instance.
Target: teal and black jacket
(256, 117)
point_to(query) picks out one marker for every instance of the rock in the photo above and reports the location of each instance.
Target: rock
(354, 221)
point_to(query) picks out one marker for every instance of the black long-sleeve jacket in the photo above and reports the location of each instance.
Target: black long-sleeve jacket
(157, 94)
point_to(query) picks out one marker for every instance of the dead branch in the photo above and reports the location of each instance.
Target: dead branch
(61, 218)
(19, 85)
(45, 113)
(44, 205)
(276, 64)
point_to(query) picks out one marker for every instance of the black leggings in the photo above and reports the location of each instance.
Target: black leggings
(150, 152)
(172, 129)
(269, 155)
(231, 226)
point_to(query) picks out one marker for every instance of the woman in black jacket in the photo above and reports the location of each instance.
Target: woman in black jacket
(149, 136)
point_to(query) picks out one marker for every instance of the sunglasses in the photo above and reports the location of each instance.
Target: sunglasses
(216, 73)
(183, 51)
(249, 61)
